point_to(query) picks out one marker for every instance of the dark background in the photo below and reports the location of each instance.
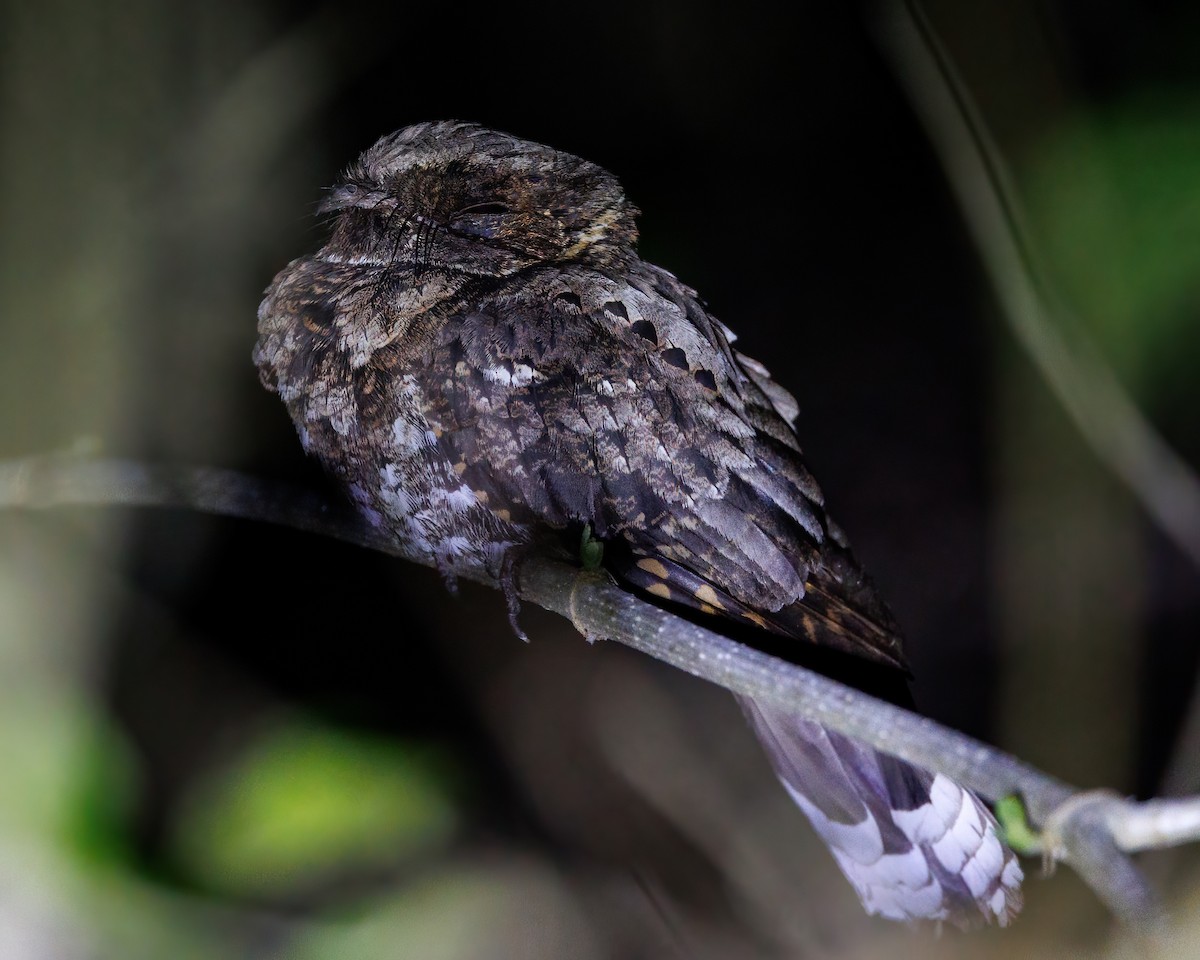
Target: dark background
(162, 162)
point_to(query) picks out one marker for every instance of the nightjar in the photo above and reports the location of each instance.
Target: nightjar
(483, 360)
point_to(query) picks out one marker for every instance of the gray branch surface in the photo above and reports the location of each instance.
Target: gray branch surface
(1092, 831)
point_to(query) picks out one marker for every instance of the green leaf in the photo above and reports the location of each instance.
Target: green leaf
(591, 550)
(1014, 823)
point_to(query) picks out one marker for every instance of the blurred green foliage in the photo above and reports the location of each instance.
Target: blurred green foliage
(68, 775)
(305, 803)
(1114, 196)
(104, 786)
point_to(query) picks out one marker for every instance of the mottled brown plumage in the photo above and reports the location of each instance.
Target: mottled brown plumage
(483, 359)
(480, 325)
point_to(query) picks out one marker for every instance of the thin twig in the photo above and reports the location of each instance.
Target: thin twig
(1092, 832)
(1069, 362)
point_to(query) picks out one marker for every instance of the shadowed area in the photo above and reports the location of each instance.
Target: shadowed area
(223, 739)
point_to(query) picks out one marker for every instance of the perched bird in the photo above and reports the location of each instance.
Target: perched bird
(483, 360)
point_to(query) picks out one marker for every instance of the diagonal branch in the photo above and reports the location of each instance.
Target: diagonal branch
(1068, 361)
(1093, 832)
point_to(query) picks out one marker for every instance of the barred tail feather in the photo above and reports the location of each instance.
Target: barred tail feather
(914, 845)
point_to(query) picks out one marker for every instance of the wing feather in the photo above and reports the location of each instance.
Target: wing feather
(623, 406)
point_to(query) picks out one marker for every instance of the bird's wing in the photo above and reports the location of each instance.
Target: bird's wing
(618, 402)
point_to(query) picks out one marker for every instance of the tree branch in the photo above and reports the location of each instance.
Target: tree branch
(1093, 832)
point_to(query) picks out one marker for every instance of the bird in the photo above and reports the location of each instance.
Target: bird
(483, 361)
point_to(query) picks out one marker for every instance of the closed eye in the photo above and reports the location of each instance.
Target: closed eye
(483, 220)
(483, 208)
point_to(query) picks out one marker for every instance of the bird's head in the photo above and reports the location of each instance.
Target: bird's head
(464, 199)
